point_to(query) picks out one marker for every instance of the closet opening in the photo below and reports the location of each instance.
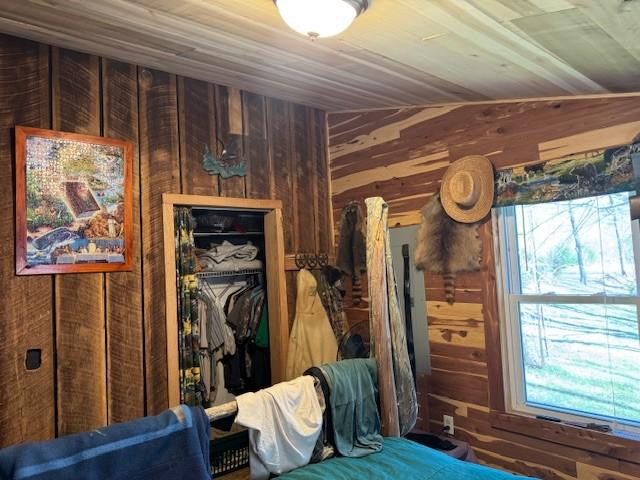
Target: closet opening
(227, 322)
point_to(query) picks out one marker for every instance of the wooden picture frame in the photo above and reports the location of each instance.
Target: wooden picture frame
(74, 203)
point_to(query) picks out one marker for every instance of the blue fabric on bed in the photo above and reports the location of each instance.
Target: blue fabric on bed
(171, 446)
(399, 459)
(354, 408)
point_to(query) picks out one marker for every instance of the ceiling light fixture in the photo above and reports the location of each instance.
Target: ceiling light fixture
(320, 18)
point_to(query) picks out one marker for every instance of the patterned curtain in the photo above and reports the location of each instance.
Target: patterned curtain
(588, 174)
(191, 387)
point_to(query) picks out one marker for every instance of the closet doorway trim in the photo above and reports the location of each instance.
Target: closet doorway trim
(275, 278)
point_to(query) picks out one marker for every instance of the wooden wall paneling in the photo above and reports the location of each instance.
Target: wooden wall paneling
(108, 362)
(304, 181)
(449, 364)
(171, 302)
(458, 352)
(230, 130)
(554, 463)
(474, 423)
(27, 399)
(160, 173)
(511, 464)
(386, 144)
(460, 324)
(589, 472)
(403, 153)
(290, 278)
(278, 120)
(303, 184)
(197, 122)
(491, 318)
(422, 421)
(257, 154)
(477, 424)
(467, 288)
(461, 386)
(277, 297)
(324, 225)
(123, 290)
(79, 298)
(279, 128)
(524, 455)
(313, 157)
(293, 164)
(615, 446)
(534, 465)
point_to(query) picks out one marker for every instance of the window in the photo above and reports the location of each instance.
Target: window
(569, 283)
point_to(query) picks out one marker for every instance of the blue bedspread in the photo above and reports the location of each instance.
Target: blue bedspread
(171, 446)
(400, 459)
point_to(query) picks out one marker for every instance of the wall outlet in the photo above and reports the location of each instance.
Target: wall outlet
(447, 420)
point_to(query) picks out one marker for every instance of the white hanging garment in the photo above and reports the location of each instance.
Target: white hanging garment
(312, 341)
(284, 423)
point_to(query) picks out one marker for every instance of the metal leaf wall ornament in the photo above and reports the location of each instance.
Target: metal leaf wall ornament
(222, 164)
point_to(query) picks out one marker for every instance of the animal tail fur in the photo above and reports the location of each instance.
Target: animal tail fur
(449, 287)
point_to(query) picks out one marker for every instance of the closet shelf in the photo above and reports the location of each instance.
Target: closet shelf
(237, 211)
(225, 234)
(230, 273)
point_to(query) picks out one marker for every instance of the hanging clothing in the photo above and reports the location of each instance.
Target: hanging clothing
(284, 422)
(354, 409)
(219, 334)
(169, 446)
(208, 380)
(246, 312)
(324, 445)
(248, 368)
(311, 341)
(216, 336)
(351, 253)
(378, 231)
(262, 332)
(210, 323)
(329, 288)
(260, 353)
(260, 365)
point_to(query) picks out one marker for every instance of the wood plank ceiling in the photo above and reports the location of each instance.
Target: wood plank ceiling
(400, 52)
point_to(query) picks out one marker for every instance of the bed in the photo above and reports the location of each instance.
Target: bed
(399, 459)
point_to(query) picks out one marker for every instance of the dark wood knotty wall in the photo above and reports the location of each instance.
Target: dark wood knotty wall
(102, 336)
(402, 154)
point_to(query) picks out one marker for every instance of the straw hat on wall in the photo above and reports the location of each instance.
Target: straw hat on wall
(467, 187)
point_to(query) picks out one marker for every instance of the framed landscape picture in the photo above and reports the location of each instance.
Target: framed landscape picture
(74, 203)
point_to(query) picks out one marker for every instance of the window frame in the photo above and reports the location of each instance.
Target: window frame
(507, 277)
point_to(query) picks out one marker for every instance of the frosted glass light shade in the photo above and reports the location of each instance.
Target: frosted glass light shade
(318, 18)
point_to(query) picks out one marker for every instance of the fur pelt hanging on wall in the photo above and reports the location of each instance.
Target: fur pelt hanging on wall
(445, 246)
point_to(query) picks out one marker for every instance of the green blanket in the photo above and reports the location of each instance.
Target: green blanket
(399, 459)
(354, 412)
